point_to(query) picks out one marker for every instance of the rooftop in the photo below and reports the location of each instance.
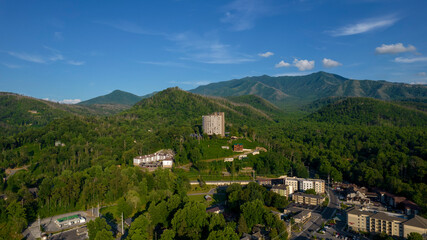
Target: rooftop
(417, 221)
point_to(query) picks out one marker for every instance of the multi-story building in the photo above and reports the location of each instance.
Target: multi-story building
(282, 190)
(305, 184)
(309, 199)
(319, 186)
(292, 182)
(382, 222)
(214, 124)
(154, 160)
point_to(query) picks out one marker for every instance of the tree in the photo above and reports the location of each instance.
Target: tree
(242, 227)
(104, 234)
(190, 220)
(123, 207)
(253, 212)
(141, 228)
(226, 234)
(16, 216)
(415, 236)
(310, 191)
(216, 222)
(97, 226)
(168, 234)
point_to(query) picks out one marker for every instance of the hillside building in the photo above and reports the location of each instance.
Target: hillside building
(391, 224)
(238, 147)
(158, 159)
(214, 124)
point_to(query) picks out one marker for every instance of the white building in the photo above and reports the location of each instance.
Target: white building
(305, 184)
(154, 160)
(228, 159)
(292, 182)
(214, 124)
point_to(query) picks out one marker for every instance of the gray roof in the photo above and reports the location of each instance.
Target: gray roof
(360, 212)
(308, 195)
(417, 221)
(384, 216)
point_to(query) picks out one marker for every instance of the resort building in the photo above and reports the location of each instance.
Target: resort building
(384, 222)
(158, 159)
(214, 124)
(282, 190)
(308, 199)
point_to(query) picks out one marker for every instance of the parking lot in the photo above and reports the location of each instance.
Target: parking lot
(49, 225)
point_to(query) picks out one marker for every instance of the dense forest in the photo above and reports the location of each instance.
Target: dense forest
(77, 160)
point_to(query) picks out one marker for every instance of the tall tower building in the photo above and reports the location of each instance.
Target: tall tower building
(214, 124)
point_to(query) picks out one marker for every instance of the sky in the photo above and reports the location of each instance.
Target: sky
(70, 51)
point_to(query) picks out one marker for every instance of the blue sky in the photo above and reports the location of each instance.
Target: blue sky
(76, 50)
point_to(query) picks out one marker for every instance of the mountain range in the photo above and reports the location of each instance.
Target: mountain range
(289, 92)
(295, 91)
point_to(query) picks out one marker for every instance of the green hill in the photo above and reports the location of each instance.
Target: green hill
(368, 111)
(115, 97)
(175, 107)
(296, 91)
(18, 113)
(258, 103)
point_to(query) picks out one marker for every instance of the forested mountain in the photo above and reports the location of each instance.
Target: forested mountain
(295, 91)
(115, 97)
(360, 140)
(175, 107)
(368, 111)
(18, 112)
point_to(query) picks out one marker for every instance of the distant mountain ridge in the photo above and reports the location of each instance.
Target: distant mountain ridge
(18, 112)
(369, 111)
(300, 90)
(115, 97)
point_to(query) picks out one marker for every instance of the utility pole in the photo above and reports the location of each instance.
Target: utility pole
(123, 232)
(98, 210)
(39, 223)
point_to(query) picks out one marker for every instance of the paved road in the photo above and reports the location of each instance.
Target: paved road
(317, 219)
(74, 234)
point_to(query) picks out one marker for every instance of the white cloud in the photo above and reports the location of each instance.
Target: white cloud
(75, 63)
(13, 66)
(129, 27)
(242, 14)
(292, 74)
(208, 49)
(364, 26)
(422, 74)
(266, 54)
(303, 64)
(394, 48)
(28, 57)
(70, 101)
(410, 60)
(53, 56)
(282, 64)
(329, 63)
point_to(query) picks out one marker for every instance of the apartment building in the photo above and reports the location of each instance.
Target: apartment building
(283, 190)
(293, 182)
(309, 199)
(303, 184)
(382, 222)
(214, 124)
